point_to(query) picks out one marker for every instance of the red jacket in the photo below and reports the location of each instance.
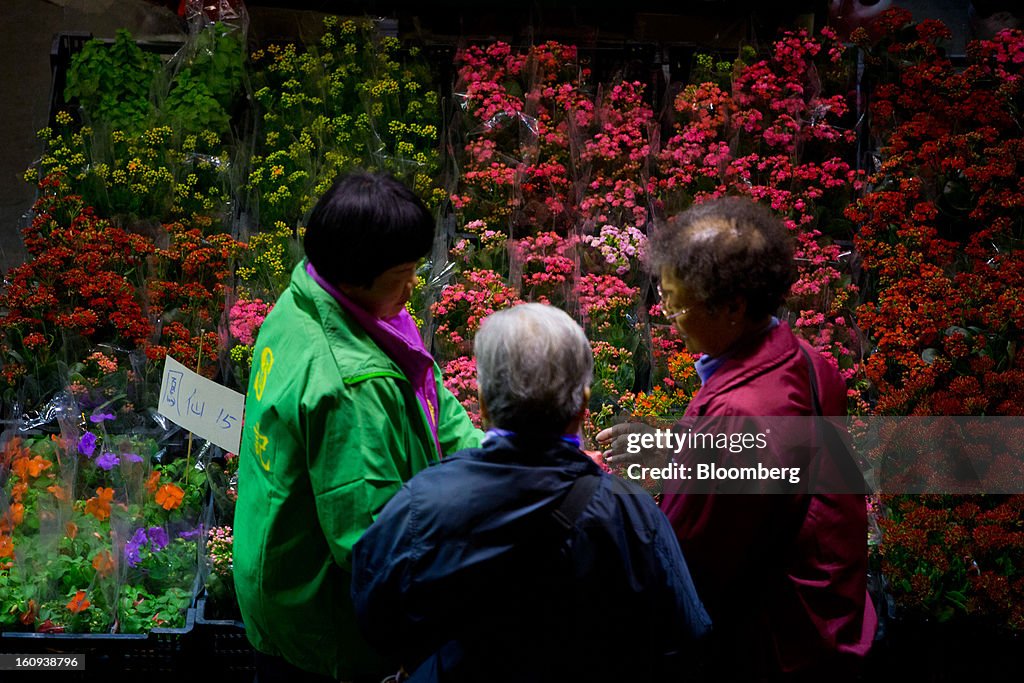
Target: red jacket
(783, 576)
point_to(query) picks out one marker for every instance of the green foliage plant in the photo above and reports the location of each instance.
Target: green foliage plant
(112, 82)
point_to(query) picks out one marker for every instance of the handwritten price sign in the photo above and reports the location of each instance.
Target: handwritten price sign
(201, 406)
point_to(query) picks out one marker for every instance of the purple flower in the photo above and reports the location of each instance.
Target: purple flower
(132, 457)
(107, 461)
(132, 549)
(87, 444)
(189, 535)
(157, 537)
(96, 418)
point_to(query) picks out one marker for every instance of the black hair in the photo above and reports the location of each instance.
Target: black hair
(364, 225)
(724, 249)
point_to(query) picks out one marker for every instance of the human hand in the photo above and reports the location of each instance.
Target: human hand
(616, 441)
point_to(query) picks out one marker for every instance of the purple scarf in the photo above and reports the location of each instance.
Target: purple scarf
(399, 338)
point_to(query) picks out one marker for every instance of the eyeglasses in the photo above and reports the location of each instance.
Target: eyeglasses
(664, 308)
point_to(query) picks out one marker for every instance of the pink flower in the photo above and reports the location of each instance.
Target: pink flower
(245, 319)
(460, 379)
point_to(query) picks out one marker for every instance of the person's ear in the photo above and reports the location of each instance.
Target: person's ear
(577, 422)
(484, 417)
(737, 310)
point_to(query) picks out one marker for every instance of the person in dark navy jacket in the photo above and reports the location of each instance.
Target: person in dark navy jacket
(522, 560)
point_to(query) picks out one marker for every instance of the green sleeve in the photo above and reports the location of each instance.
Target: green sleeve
(357, 460)
(455, 431)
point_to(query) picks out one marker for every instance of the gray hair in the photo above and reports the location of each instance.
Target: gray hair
(534, 366)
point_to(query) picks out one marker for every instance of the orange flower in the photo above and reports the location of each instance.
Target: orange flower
(78, 603)
(28, 617)
(58, 492)
(103, 563)
(11, 518)
(17, 513)
(71, 529)
(19, 490)
(26, 467)
(6, 546)
(99, 505)
(169, 496)
(13, 450)
(152, 482)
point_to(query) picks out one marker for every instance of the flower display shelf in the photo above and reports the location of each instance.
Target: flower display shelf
(222, 647)
(161, 653)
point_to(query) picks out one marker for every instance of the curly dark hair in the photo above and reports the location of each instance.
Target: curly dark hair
(724, 249)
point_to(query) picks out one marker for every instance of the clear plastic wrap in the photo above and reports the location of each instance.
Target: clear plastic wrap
(205, 12)
(206, 82)
(103, 505)
(353, 99)
(552, 198)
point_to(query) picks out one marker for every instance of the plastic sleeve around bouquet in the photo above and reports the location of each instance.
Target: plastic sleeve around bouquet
(105, 510)
(204, 87)
(203, 12)
(353, 99)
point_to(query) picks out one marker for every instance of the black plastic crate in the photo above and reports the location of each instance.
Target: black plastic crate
(162, 654)
(223, 648)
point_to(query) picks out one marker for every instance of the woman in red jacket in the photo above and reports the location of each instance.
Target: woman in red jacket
(783, 575)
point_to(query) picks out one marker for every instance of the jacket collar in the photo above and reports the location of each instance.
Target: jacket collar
(353, 350)
(526, 450)
(774, 349)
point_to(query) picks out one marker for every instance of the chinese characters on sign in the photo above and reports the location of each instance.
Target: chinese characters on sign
(201, 406)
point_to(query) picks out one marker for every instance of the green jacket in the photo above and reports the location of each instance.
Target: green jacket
(332, 430)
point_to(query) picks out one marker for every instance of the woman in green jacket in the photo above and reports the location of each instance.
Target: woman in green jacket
(344, 405)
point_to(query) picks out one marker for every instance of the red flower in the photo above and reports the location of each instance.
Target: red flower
(78, 603)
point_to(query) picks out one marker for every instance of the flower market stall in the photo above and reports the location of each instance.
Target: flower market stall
(171, 199)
